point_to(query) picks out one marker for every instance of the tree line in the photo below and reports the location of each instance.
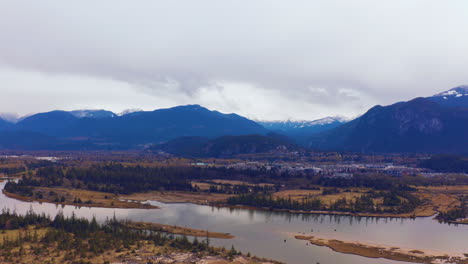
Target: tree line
(395, 201)
(81, 238)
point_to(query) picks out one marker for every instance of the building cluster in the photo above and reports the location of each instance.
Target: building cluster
(338, 170)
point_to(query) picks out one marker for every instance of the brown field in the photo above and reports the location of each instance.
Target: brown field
(327, 199)
(88, 198)
(441, 198)
(178, 230)
(241, 183)
(179, 197)
(370, 250)
(206, 185)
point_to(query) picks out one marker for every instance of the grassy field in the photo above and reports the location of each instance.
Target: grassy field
(435, 199)
(87, 198)
(205, 185)
(328, 199)
(179, 197)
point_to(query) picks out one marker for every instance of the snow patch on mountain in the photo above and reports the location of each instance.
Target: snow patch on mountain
(92, 113)
(292, 124)
(10, 117)
(129, 111)
(454, 92)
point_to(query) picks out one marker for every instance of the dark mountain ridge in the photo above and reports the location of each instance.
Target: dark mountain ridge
(137, 128)
(419, 125)
(226, 146)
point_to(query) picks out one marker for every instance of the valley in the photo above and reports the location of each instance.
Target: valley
(202, 197)
(233, 132)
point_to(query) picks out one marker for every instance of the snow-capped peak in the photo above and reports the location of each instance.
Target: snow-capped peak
(328, 120)
(129, 111)
(292, 124)
(454, 92)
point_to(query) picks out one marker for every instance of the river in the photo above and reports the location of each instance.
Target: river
(263, 233)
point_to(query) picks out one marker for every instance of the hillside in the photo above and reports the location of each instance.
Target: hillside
(455, 97)
(419, 125)
(4, 124)
(100, 128)
(226, 146)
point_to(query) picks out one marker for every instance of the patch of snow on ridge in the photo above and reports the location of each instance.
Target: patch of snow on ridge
(457, 92)
(129, 111)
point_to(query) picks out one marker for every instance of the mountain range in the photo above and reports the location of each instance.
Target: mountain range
(419, 125)
(438, 123)
(103, 129)
(303, 128)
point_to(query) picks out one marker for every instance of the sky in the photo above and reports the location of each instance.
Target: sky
(266, 60)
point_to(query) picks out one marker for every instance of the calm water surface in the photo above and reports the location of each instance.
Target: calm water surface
(263, 232)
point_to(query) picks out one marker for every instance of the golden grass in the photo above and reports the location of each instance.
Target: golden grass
(206, 185)
(328, 199)
(435, 199)
(179, 197)
(241, 183)
(88, 198)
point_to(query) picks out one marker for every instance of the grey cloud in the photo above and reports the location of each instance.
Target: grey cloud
(360, 52)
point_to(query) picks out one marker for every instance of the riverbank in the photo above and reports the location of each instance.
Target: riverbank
(79, 197)
(200, 198)
(435, 200)
(396, 253)
(178, 230)
(386, 215)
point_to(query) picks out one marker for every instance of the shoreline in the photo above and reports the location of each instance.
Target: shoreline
(178, 197)
(375, 250)
(109, 203)
(405, 215)
(136, 201)
(178, 230)
(218, 200)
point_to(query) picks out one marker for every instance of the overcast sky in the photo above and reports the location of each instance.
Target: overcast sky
(266, 60)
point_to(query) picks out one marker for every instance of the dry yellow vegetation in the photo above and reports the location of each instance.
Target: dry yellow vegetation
(88, 198)
(328, 199)
(179, 197)
(435, 199)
